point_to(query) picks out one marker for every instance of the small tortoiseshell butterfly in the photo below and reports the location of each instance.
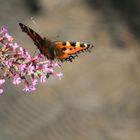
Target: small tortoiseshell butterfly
(56, 49)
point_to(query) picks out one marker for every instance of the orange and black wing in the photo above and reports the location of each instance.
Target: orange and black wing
(69, 50)
(38, 40)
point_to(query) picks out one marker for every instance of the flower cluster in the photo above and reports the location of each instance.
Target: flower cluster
(16, 63)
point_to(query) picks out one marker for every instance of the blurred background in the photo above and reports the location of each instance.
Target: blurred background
(98, 97)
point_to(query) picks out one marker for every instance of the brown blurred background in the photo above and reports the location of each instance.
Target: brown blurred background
(98, 97)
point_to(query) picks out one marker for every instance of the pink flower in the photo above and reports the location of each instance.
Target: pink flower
(15, 46)
(2, 81)
(16, 80)
(43, 78)
(31, 69)
(16, 63)
(1, 91)
(9, 38)
(59, 75)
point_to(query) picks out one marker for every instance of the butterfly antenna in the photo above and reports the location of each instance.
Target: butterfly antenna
(56, 37)
(33, 21)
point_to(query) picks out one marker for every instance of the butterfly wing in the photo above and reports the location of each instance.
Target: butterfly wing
(42, 44)
(69, 50)
(38, 40)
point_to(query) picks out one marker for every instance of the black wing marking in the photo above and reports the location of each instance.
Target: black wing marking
(38, 40)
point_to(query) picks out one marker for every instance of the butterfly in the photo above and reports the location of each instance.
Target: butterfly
(60, 50)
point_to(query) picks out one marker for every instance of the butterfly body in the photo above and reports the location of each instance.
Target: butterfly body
(59, 50)
(47, 49)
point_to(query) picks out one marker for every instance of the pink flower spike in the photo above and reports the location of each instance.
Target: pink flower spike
(17, 64)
